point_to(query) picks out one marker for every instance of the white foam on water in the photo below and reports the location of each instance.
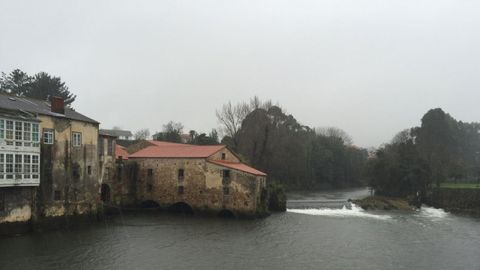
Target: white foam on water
(354, 211)
(433, 213)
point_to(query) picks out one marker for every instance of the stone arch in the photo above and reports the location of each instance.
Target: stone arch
(181, 208)
(105, 193)
(149, 204)
(225, 213)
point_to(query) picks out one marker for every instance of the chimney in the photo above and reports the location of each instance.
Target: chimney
(57, 105)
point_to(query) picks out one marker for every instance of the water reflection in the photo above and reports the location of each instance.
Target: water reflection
(428, 239)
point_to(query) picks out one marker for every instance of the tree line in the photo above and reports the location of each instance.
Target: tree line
(442, 149)
(292, 154)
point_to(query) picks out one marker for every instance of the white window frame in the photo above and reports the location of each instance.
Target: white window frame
(48, 136)
(2, 128)
(35, 133)
(76, 139)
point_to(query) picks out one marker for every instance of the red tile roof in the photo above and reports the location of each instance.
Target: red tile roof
(120, 152)
(176, 150)
(238, 166)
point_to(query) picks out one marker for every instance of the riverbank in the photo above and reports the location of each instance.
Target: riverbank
(460, 200)
(330, 239)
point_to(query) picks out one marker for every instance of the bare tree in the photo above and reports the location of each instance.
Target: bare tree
(142, 134)
(402, 137)
(230, 117)
(173, 127)
(335, 133)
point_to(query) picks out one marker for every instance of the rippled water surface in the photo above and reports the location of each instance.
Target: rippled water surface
(323, 236)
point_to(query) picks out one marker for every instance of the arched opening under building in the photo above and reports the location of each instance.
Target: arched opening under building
(149, 204)
(181, 208)
(105, 193)
(225, 213)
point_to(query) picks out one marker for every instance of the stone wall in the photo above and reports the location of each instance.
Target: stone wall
(16, 209)
(466, 200)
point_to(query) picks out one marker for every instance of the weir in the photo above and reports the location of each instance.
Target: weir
(318, 204)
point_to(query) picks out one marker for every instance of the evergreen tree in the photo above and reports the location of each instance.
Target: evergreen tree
(40, 86)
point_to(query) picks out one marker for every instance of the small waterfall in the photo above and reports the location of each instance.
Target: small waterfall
(331, 209)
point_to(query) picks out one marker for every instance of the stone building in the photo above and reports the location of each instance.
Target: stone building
(59, 150)
(196, 178)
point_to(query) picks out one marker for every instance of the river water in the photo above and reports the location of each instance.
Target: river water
(317, 232)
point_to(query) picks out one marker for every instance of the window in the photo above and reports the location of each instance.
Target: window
(18, 167)
(48, 136)
(76, 139)
(119, 173)
(27, 133)
(26, 166)
(35, 166)
(226, 177)
(110, 147)
(224, 156)
(9, 165)
(76, 171)
(226, 191)
(181, 174)
(89, 170)
(18, 133)
(35, 130)
(149, 187)
(57, 195)
(2, 166)
(150, 172)
(9, 132)
(181, 189)
(100, 146)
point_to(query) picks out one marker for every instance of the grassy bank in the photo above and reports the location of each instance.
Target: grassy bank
(460, 185)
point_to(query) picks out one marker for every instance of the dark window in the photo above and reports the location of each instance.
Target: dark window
(181, 174)
(76, 171)
(57, 195)
(226, 191)
(110, 147)
(89, 170)
(181, 189)
(149, 187)
(119, 173)
(100, 146)
(226, 177)
(224, 156)
(2, 201)
(150, 172)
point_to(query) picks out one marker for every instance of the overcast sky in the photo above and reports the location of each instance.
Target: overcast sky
(371, 68)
